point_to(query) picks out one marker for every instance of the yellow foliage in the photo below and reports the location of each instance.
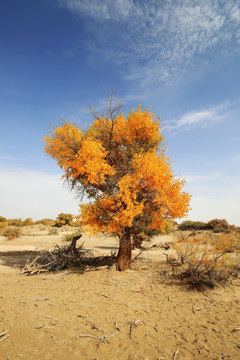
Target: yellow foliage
(79, 156)
(117, 163)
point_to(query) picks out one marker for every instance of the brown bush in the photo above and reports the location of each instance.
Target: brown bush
(11, 232)
(219, 225)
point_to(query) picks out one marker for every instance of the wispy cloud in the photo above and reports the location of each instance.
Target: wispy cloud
(198, 118)
(206, 177)
(159, 38)
(11, 158)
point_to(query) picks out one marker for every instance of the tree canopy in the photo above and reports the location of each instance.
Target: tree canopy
(129, 181)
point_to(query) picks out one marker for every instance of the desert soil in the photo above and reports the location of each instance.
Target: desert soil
(141, 313)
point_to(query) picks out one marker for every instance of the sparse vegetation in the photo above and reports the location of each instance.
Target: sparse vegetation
(218, 225)
(193, 225)
(27, 222)
(11, 232)
(15, 222)
(3, 222)
(53, 231)
(46, 222)
(204, 260)
(69, 237)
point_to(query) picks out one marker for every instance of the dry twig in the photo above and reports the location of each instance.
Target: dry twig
(102, 338)
(204, 307)
(175, 354)
(133, 325)
(238, 345)
(3, 335)
(44, 327)
(236, 329)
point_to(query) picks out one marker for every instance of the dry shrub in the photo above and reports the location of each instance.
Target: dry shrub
(3, 224)
(53, 231)
(193, 225)
(69, 237)
(46, 222)
(219, 225)
(27, 222)
(205, 261)
(12, 232)
(59, 258)
(15, 222)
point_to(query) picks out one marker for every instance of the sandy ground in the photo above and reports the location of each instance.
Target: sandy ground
(105, 314)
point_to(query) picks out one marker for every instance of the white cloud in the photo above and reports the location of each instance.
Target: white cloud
(103, 10)
(159, 38)
(198, 118)
(26, 193)
(205, 177)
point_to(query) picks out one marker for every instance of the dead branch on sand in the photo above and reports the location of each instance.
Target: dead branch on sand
(204, 307)
(44, 327)
(236, 329)
(61, 258)
(175, 354)
(102, 338)
(3, 335)
(237, 345)
(138, 255)
(57, 259)
(133, 325)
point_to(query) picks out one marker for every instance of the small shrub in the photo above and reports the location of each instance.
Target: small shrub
(3, 222)
(64, 219)
(46, 222)
(27, 222)
(193, 225)
(205, 261)
(15, 222)
(11, 232)
(53, 231)
(69, 237)
(218, 225)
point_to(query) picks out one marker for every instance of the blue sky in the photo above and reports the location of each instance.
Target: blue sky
(182, 57)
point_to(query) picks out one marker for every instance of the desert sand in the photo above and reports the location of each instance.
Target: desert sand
(141, 313)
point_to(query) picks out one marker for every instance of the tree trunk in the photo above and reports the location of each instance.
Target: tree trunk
(73, 247)
(124, 252)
